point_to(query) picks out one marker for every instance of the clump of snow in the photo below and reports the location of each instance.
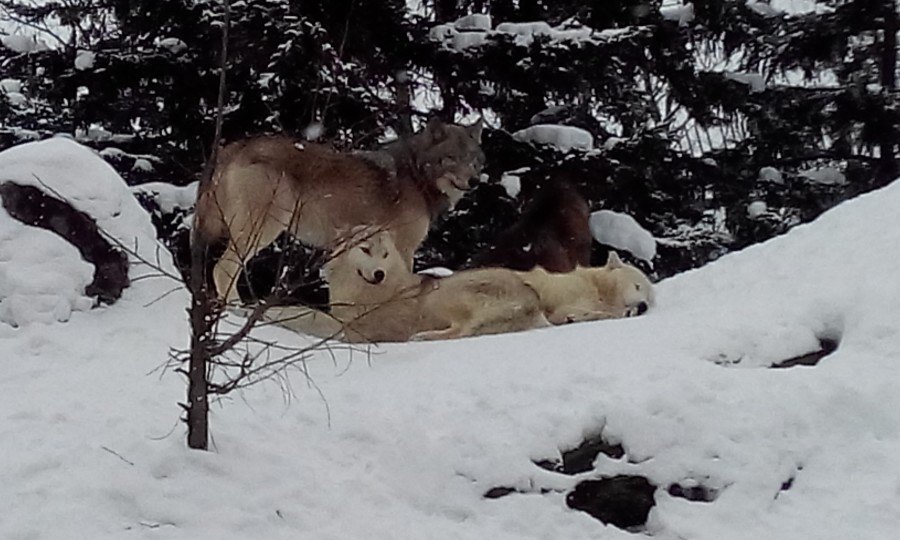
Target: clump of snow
(42, 276)
(622, 231)
(564, 138)
(829, 176)
(170, 197)
(476, 32)
(313, 131)
(475, 21)
(465, 40)
(84, 60)
(682, 14)
(141, 164)
(23, 44)
(172, 44)
(16, 99)
(436, 271)
(755, 81)
(771, 175)
(512, 182)
(10, 85)
(756, 209)
(764, 9)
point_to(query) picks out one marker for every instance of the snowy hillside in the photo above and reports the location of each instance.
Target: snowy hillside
(405, 442)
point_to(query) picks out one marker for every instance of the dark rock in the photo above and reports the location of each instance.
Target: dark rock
(826, 347)
(33, 207)
(623, 501)
(497, 492)
(698, 493)
(581, 459)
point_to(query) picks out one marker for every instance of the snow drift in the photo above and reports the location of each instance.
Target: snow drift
(403, 443)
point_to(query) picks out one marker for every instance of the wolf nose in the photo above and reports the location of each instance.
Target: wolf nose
(642, 307)
(379, 276)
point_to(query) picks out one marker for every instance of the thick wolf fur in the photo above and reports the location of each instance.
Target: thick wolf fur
(375, 298)
(587, 294)
(264, 186)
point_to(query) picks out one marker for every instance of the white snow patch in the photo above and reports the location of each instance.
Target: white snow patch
(622, 231)
(511, 182)
(16, 99)
(764, 9)
(475, 21)
(682, 14)
(755, 81)
(771, 175)
(829, 176)
(141, 164)
(42, 276)
(756, 209)
(436, 271)
(563, 137)
(84, 60)
(170, 197)
(11, 85)
(23, 44)
(173, 45)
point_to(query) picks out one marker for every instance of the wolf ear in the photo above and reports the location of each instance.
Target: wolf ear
(436, 129)
(613, 261)
(474, 130)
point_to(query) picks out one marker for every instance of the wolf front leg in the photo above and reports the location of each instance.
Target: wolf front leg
(563, 316)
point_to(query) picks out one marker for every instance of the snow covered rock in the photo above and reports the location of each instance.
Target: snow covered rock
(563, 137)
(44, 278)
(682, 14)
(84, 60)
(770, 174)
(622, 231)
(828, 176)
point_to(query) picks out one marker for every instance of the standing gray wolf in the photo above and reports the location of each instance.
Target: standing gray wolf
(376, 298)
(267, 185)
(552, 232)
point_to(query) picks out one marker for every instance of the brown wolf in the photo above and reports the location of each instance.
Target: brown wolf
(375, 298)
(553, 233)
(264, 186)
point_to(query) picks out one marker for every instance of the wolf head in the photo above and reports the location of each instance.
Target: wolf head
(365, 258)
(623, 286)
(450, 155)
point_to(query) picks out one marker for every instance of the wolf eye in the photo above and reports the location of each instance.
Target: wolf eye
(366, 250)
(384, 256)
(637, 287)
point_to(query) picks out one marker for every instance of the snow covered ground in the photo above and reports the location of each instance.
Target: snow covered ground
(404, 443)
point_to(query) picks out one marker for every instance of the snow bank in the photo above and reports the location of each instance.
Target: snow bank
(682, 14)
(404, 443)
(755, 81)
(43, 277)
(563, 137)
(828, 176)
(23, 44)
(170, 197)
(475, 30)
(622, 231)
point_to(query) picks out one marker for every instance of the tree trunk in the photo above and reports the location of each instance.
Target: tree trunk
(203, 309)
(888, 166)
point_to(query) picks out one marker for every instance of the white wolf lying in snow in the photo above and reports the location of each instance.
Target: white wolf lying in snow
(375, 297)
